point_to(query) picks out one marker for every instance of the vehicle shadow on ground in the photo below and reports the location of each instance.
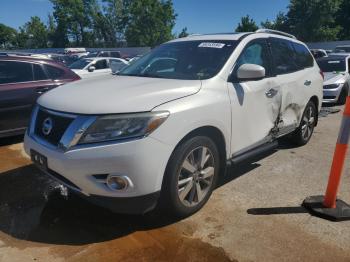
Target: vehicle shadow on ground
(31, 208)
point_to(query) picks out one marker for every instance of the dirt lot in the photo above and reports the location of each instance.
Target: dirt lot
(254, 214)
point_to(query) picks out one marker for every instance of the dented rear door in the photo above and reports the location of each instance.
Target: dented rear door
(290, 77)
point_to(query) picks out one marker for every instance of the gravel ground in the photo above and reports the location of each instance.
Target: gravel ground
(253, 215)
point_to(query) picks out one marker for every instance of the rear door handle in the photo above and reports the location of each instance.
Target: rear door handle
(271, 93)
(307, 83)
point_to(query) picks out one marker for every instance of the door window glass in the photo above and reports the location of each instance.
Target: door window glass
(284, 56)
(115, 54)
(255, 53)
(39, 73)
(101, 64)
(54, 72)
(15, 72)
(303, 56)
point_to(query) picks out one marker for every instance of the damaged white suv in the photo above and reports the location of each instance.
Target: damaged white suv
(162, 130)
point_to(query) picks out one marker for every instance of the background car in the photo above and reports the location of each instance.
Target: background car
(22, 80)
(318, 53)
(77, 51)
(117, 64)
(115, 54)
(336, 78)
(64, 59)
(93, 66)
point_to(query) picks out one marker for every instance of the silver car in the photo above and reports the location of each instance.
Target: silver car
(336, 78)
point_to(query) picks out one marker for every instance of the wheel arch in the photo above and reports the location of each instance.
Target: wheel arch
(213, 133)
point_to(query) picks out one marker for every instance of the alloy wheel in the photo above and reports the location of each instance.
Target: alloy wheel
(308, 123)
(196, 176)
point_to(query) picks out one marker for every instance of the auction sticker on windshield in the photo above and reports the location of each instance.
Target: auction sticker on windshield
(212, 45)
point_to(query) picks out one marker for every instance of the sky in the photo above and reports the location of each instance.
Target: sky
(199, 16)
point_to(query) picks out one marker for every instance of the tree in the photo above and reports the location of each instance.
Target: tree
(343, 20)
(313, 20)
(150, 22)
(7, 36)
(115, 20)
(183, 33)
(247, 24)
(33, 34)
(280, 23)
(73, 18)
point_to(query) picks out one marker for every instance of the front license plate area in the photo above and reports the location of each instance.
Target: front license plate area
(39, 160)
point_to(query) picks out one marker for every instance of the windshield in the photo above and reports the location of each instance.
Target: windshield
(183, 60)
(80, 64)
(334, 65)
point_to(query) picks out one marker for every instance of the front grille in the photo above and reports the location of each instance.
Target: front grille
(60, 124)
(329, 97)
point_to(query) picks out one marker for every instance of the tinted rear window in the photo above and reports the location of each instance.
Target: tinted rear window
(332, 65)
(15, 72)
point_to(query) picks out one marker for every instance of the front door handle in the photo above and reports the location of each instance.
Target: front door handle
(271, 93)
(307, 83)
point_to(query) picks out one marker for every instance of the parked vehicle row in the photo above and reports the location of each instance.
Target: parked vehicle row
(336, 69)
(161, 132)
(98, 65)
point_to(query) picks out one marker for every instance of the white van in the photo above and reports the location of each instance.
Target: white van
(162, 131)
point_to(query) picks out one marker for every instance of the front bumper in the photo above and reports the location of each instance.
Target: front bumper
(332, 95)
(125, 205)
(143, 161)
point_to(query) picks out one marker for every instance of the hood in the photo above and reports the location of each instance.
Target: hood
(110, 94)
(333, 78)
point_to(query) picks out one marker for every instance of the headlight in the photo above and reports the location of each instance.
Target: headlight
(123, 126)
(332, 86)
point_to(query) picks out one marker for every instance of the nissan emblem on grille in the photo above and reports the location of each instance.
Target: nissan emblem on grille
(47, 126)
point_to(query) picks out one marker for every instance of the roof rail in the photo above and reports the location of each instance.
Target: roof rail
(270, 31)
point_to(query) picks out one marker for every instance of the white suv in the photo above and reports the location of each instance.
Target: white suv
(164, 128)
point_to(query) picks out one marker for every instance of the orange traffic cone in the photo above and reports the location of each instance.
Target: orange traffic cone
(328, 206)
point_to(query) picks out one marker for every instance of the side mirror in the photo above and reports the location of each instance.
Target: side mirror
(250, 72)
(91, 68)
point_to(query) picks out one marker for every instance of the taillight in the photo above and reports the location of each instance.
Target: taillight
(322, 74)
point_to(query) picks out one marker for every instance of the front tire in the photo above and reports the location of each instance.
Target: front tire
(190, 176)
(307, 124)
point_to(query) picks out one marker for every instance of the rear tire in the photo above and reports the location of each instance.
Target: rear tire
(302, 135)
(190, 176)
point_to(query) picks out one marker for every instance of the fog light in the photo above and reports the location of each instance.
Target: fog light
(117, 182)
